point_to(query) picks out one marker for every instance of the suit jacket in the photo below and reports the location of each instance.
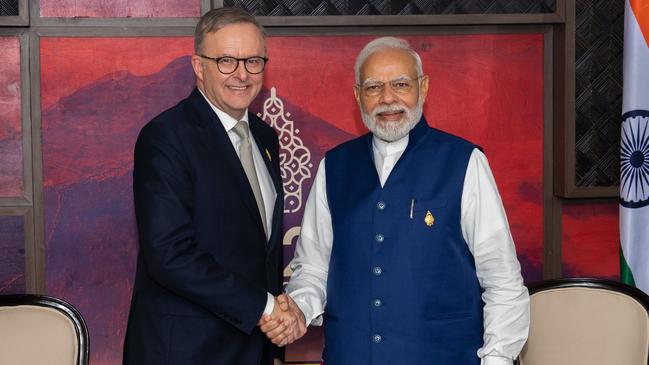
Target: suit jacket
(204, 265)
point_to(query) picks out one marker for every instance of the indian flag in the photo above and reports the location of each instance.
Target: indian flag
(634, 150)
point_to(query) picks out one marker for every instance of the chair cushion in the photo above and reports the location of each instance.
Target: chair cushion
(36, 335)
(586, 326)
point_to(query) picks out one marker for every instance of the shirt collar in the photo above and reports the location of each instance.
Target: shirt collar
(227, 121)
(390, 148)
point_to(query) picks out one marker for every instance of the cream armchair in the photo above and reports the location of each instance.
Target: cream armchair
(37, 329)
(584, 321)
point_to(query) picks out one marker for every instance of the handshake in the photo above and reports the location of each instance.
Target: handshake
(286, 324)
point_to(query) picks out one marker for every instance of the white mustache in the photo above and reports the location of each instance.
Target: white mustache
(388, 109)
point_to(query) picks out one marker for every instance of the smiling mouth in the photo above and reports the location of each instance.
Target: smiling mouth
(391, 115)
(237, 88)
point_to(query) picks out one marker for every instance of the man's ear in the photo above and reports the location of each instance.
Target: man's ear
(357, 95)
(197, 65)
(423, 91)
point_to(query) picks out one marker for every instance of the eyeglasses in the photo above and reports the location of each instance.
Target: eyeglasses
(401, 85)
(227, 65)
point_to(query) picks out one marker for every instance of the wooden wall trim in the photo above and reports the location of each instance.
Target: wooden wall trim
(38, 282)
(552, 266)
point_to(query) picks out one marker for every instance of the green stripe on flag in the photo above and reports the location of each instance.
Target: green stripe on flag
(626, 276)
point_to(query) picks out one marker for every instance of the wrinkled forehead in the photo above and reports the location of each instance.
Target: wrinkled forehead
(388, 64)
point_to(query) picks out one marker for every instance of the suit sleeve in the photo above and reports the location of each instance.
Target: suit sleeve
(163, 193)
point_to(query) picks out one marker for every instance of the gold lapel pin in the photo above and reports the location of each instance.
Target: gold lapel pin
(429, 220)
(268, 154)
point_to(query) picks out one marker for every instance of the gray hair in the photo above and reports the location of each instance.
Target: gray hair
(216, 19)
(381, 44)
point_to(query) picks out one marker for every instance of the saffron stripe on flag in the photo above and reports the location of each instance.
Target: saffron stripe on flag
(641, 11)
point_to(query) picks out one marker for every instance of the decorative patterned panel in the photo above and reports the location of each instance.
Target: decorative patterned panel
(11, 157)
(120, 8)
(591, 240)
(8, 7)
(12, 255)
(598, 93)
(393, 7)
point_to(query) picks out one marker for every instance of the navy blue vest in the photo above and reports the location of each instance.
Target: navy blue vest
(402, 287)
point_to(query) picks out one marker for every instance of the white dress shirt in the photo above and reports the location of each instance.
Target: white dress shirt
(266, 186)
(484, 228)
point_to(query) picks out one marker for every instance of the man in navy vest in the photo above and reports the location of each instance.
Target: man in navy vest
(404, 241)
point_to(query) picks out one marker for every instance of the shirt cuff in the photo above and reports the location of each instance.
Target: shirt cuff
(496, 360)
(270, 304)
(306, 310)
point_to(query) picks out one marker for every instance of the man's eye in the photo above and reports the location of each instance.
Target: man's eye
(227, 61)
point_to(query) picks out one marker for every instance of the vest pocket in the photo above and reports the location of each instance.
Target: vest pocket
(423, 205)
(446, 316)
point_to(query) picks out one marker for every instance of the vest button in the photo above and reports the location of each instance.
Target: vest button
(380, 205)
(377, 270)
(377, 302)
(376, 338)
(379, 238)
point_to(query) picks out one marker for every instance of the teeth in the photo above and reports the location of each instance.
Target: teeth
(237, 87)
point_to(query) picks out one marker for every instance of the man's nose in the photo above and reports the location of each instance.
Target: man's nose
(387, 95)
(241, 73)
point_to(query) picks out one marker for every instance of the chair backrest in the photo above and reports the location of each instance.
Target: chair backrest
(39, 329)
(587, 321)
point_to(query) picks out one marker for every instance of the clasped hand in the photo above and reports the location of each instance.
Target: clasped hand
(286, 324)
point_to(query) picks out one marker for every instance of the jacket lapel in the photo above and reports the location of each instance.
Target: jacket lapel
(215, 139)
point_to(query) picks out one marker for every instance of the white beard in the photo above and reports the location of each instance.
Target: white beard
(392, 131)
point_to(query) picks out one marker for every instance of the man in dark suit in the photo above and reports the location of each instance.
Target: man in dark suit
(208, 204)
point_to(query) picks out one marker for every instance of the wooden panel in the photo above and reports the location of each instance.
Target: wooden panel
(12, 255)
(11, 134)
(120, 9)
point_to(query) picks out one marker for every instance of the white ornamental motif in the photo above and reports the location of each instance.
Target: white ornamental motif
(294, 157)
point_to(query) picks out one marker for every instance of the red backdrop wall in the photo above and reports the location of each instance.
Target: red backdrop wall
(98, 92)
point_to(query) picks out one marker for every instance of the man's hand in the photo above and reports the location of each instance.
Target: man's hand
(286, 324)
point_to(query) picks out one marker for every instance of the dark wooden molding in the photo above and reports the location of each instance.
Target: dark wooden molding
(564, 112)
(206, 5)
(407, 20)
(552, 228)
(38, 230)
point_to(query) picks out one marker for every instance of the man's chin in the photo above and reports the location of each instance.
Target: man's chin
(390, 135)
(389, 125)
